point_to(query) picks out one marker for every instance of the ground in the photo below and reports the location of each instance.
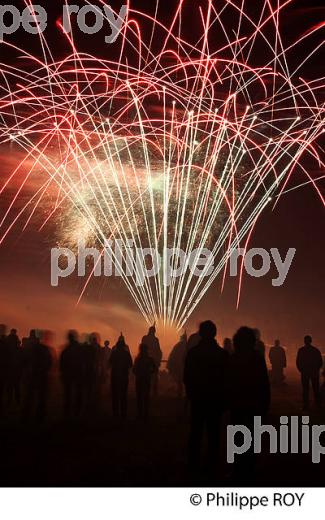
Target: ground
(98, 451)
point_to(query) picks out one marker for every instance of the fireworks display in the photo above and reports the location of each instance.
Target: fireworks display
(173, 143)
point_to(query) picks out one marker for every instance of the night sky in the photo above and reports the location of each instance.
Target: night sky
(297, 221)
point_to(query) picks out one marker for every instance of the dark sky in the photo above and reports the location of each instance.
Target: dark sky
(289, 312)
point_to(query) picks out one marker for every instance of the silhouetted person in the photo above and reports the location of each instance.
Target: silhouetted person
(204, 379)
(72, 368)
(28, 344)
(13, 339)
(3, 330)
(193, 341)
(122, 340)
(155, 353)
(248, 392)
(278, 360)
(259, 344)
(228, 346)
(91, 350)
(120, 363)
(175, 363)
(47, 337)
(37, 364)
(144, 368)
(4, 364)
(309, 363)
(15, 366)
(105, 354)
(24, 343)
(32, 338)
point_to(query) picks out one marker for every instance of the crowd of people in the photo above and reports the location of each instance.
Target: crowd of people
(215, 379)
(84, 366)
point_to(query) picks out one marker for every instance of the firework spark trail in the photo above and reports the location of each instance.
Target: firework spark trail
(182, 148)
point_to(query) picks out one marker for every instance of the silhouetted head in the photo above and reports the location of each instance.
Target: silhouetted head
(3, 329)
(143, 349)
(152, 330)
(34, 337)
(207, 330)
(94, 338)
(183, 337)
(32, 334)
(72, 336)
(244, 339)
(106, 343)
(227, 344)
(308, 340)
(121, 338)
(277, 343)
(257, 333)
(13, 332)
